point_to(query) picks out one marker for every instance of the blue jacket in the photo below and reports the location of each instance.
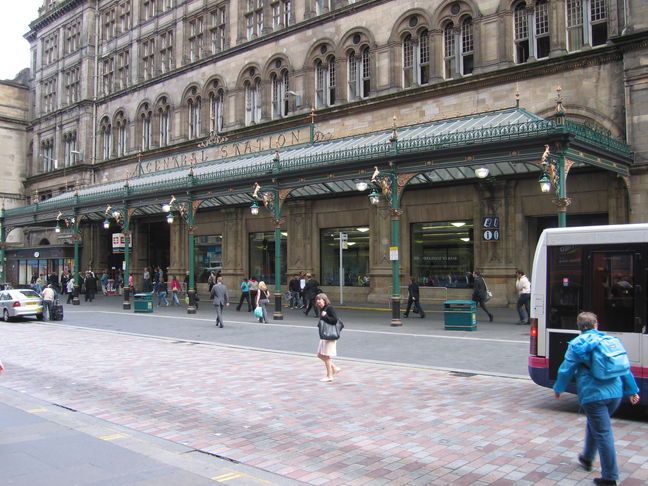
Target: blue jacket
(590, 389)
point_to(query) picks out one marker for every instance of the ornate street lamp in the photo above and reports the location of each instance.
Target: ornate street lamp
(186, 210)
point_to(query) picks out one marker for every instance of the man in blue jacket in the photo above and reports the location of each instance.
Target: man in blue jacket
(599, 398)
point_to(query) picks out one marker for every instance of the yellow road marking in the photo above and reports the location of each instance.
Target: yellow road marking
(226, 477)
(235, 475)
(114, 436)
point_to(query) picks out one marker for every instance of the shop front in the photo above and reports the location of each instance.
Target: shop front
(434, 201)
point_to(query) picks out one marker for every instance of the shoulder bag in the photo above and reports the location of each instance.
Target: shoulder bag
(330, 332)
(489, 294)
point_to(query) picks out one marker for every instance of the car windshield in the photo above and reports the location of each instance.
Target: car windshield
(30, 294)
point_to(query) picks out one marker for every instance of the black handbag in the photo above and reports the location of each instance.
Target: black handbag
(330, 332)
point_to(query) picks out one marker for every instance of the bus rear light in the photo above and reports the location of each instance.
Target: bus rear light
(533, 336)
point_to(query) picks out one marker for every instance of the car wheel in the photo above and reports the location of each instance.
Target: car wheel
(5, 315)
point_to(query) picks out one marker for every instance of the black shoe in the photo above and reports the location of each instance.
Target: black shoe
(490, 317)
(221, 326)
(405, 315)
(605, 482)
(585, 464)
(422, 316)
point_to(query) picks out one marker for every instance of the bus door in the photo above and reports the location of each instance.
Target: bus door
(615, 291)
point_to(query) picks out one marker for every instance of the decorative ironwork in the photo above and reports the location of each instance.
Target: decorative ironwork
(213, 139)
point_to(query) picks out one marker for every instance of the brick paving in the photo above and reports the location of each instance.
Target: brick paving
(375, 425)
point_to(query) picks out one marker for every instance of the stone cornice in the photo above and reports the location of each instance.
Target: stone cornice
(50, 16)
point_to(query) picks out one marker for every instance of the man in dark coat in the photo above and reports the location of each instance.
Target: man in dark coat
(90, 286)
(413, 298)
(479, 293)
(310, 292)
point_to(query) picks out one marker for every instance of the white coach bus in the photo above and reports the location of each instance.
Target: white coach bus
(600, 269)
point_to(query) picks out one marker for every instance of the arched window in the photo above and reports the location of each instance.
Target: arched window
(69, 148)
(586, 23)
(47, 153)
(120, 132)
(105, 132)
(531, 30)
(194, 108)
(416, 59)
(163, 110)
(358, 74)
(325, 82)
(280, 89)
(458, 45)
(146, 127)
(467, 47)
(216, 107)
(252, 100)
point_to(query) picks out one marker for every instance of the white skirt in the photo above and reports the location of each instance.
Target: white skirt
(327, 348)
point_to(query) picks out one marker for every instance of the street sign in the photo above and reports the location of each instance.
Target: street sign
(490, 228)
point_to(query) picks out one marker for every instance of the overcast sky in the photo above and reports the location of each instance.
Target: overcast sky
(14, 23)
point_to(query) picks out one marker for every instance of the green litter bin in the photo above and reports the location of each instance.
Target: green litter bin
(460, 315)
(143, 302)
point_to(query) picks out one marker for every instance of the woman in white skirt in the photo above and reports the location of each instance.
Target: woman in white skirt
(327, 349)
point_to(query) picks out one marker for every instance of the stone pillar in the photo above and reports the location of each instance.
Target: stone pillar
(498, 259)
(298, 215)
(178, 258)
(235, 247)
(380, 267)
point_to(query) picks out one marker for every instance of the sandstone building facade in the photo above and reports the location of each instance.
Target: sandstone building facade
(125, 90)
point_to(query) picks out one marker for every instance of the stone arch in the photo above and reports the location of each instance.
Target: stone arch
(250, 106)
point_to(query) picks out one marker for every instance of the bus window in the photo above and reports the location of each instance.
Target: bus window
(564, 286)
(612, 293)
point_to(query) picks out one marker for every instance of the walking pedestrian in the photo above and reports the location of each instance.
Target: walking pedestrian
(146, 280)
(310, 294)
(162, 291)
(302, 289)
(245, 295)
(70, 290)
(293, 287)
(413, 298)
(175, 289)
(90, 286)
(523, 287)
(480, 293)
(211, 280)
(262, 299)
(327, 348)
(220, 299)
(104, 282)
(599, 398)
(254, 290)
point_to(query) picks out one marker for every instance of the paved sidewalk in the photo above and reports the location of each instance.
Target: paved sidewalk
(43, 444)
(375, 425)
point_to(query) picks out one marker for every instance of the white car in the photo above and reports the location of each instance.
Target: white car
(20, 303)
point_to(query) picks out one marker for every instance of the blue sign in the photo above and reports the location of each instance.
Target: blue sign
(490, 222)
(490, 235)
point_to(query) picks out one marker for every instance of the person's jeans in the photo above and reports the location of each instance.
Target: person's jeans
(523, 303)
(162, 298)
(48, 304)
(296, 301)
(264, 305)
(175, 297)
(599, 436)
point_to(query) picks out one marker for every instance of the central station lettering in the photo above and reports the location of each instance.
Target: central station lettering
(222, 151)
